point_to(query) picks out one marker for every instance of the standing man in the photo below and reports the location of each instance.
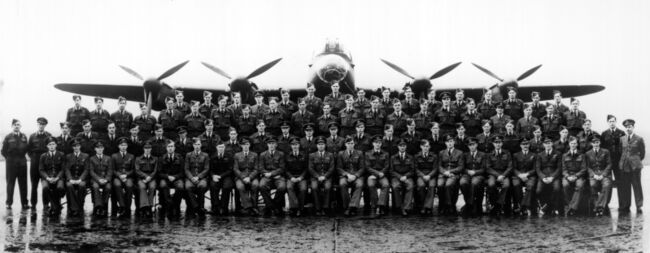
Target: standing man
(397, 118)
(410, 105)
(64, 142)
(259, 109)
(146, 168)
(471, 119)
(207, 107)
(236, 106)
(402, 171)
(301, 118)
(99, 117)
(451, 167)
(611, 140)
(286, 105)
(222, 117)
(170, 119)
(539, 108)
(274, 117)
(100, 167)
(513, 106)
(574, 118)
(246, 122)
(314, 104)
(348, 116)
(76, 174)
(486, 107)
(526, 125)
(88, 138)
(145, 121)
(76, 115)
(122, 118)
(445, 116)
(37, 146)
(574, 171)
(633, 152)
(258, 139)
(599, 166)
(351, 168)
(325, 120)
(551, 122)
(378, 164)
(499, 120)
(335, 99)
(51, 171)
(180, 105)
(271, 168)
(374, 117)
(194, 121)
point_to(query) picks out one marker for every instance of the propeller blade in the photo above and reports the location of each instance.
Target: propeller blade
(149, 102)
(444, 71)
(397, 68)
(488, 72)
(133, 73)
(216, 70)
(172, 70)
(263, 69)
(528, 73)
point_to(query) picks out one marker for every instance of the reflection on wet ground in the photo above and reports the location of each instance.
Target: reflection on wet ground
(22, 231)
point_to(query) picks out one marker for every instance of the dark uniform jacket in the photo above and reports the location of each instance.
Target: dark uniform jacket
(446, 118)
(75, 116)
(123, 121)
(246, 125)
(377, 162)
(274, 119)
(38, 144)
(197, 164)
(633, 153)
(233, 147)
(437, 143)
(321, 165)
(337, 103)
(334, 145)
(146, 124)
(221, 166)
(314, 104)
(389, 146)
(110, 145)
(485, 142)
(308, 145)
(574, 119)
(501, 164)
(100, 168)
(574, 164)
(524, 163)
(472, 123)
(99, 120)
(426, 166)
(584, 140)
(171, 120)
(258, 142)
(525, 126)
(206, 109)
(183, 146)
(499, 123)
(422, 121)
(362, 142)
(323, 124)
(289, 107)
(611, 140)
(158, 146)
(183, 107)
(171, 166)
(64, 144)
(549, 165)
(223, 118)
(539, 109)
(511, 142)
(398, 121)
(412, 141)
(486, 109)
(209, 142)
(300, 119)
(361, 104)
(123, 165)
(350, 162)
(476, 162)
(194, 124)
(348, 116)
(135, 146)
(76, 166)
(561, 146)
(452, 162)
(386, 105)
(245, 165)
(87, 142)
(458, 106)
(513, 108)
(599, 164)
(146, 166)
(272, 163)
(297, 165)
(51, 165)
(402, 167)
(551, 125)
(374, 118)
(284, 143)
(410, 106)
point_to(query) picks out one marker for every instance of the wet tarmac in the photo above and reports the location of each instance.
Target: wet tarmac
(31, 231)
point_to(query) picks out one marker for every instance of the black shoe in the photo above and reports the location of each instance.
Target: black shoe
(347, 212)
(639, 210)
(299, 213)
(404, 213)
(25, 207)
(571, 212)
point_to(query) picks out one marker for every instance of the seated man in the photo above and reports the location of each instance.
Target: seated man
(427, 171)
(296, 176)
(197, 165)
(402, 171)
(523, 163)
(221, 180)
(449, 172)
(124, 172)
(472, 181)
(321, 167)
(76, 174)
(499, 168)
(100, 167)
(574, 172)
(351, 169)
(599, 165)
(51, 172)
(146, 168)
(549, 186)
(171, 175)
(377, 163)
(245, 169)
(271, 166)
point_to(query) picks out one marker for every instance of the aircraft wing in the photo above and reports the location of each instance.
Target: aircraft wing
(546, 91)
(130, 92)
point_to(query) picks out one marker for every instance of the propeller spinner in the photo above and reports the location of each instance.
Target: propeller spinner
(152, 87)
(496, 88)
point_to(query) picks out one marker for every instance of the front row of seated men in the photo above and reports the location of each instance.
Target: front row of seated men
(522, 183)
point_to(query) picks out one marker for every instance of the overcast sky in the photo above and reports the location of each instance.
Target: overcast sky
(579, 42)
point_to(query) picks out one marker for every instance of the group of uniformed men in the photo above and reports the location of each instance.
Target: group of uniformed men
(536, 157)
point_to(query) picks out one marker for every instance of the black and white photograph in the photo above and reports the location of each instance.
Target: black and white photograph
(324, 126)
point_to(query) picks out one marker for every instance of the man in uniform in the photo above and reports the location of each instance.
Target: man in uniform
(274, 117)
(259, 109)
(335, 99)
(221, 164)
(599, 166)
(183, 144)
(194, 120)
(374, 117)
(297, 163)
(207, 107)
(308, 143)
(284, 139)
(499, 168)
(122, 118)
(222, 117)
(99, 117)
(559, 107)
(551, 122)
(236, 106)
(397, 118)
(524, 175)
(145, 121)
(526, 124)
(427, 171)
(445, 116)
(146, 170)
(461, 138)
(471, 119)
(258, 139)
(232, 144)
(436, 141)
(348, 116)
(135, 142)
(286, 105)
(197, 166)
(351, 170)
(301, 118)
(209, 138)
(411, 137)
(51, 171)
(87, 138)
(123, 181)
(389, 141)
(314, 103)
(246, 122)
(271, 169)
(334, 141)
(584, 136)
(574, 171)
(64, 142)
(361, 104)
(158, 141)
(402, 171)
(513, 106)
(410, 105)
(511, 140)
(549, 186)
(611, 140)
(37, 146)
(180, 105)
(324, 121)
(76, 115)
(171, 175)
(633, 152)
(450, 169)
(487, 106)
(100, 167)
(472, 181)
(362, 141)
(499, 120)
(386, 101)
(76, 174)
(459, 105)
(170, 119)
(110, 139)
(423, 118)
(377, 163)
(485, 138)
(321, 167)
(245, 169)
(539, 108)
(574, 118)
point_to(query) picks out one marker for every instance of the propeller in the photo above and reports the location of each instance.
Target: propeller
(421, 85)
(501, 80)
(151, 86)
(242, 84)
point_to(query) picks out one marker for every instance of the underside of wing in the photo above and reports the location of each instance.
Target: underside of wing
(546, 91)
(130, 92)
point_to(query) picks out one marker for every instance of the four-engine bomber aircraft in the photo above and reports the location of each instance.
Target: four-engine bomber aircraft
(332, 65)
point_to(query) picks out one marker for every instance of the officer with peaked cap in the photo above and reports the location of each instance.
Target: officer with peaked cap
(14, 148)
(123, 184)
(599, 167)
(321, 166)
(37, 146)
(633, 153)
(524, 176)
(100, 168)
(76, 175)
(549, 185)
(65, 139)
(472, 181)
(445, 116)
(499, 171)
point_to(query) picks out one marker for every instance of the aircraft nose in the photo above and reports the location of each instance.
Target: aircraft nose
(332, 74)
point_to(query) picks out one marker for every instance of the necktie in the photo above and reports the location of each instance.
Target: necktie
(629, 138)
(246, 154)
(401, 156)
(321, 154)
(473, 155)
(596, 151)
(123, 155)
(548, 153)
(525, 154)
